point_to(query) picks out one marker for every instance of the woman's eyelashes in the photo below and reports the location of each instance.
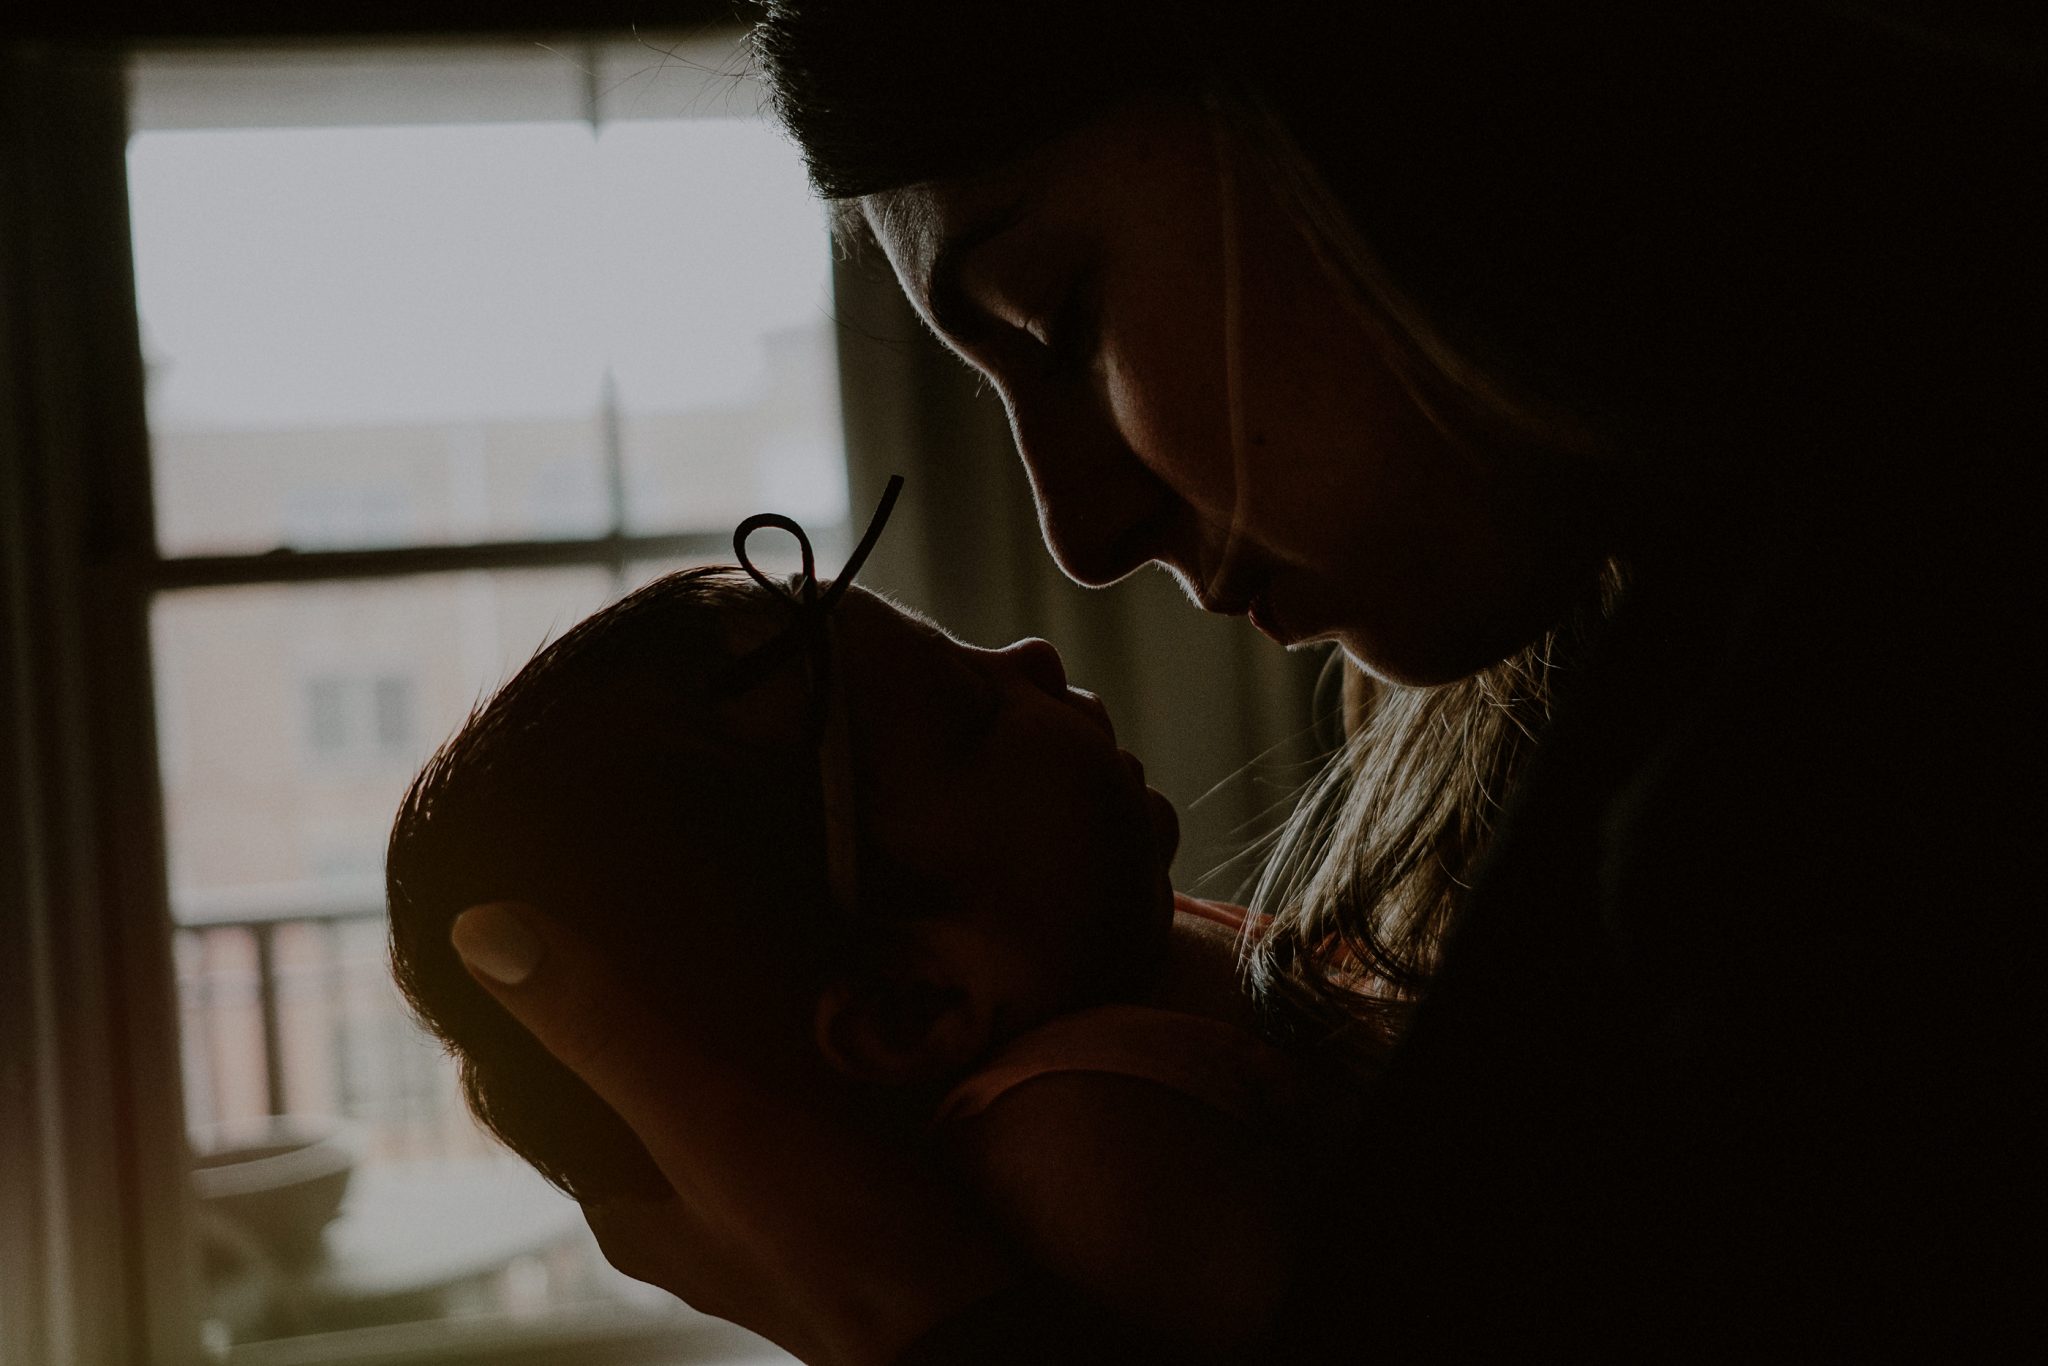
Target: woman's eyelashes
(1065, 331)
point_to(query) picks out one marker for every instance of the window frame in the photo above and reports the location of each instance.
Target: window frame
(94, 1252)
(96, 1212)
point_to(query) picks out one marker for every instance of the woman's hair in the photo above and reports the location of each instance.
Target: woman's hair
(1365, 876)
(1368, 873)
(599, 783)
(1571, 225)
(879, 96)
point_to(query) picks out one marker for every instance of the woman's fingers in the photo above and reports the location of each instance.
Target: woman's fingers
(556, 985)
(713, 1110)
(572, 1000)
(791, 1216)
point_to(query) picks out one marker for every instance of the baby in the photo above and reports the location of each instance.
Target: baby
(916, 871)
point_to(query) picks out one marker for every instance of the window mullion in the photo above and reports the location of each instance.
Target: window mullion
(609, 417)
(315, 566)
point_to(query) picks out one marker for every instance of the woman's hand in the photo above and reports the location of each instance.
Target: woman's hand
(789, 1217)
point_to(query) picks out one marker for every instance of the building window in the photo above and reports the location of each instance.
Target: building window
(327, 719)
(445, 347)
(360, 718)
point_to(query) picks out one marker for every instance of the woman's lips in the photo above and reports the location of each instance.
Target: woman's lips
(1255, 602)
(1260, 612)
(1227, 600)
(1246, 590)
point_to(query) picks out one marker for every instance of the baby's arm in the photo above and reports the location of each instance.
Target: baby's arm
(1165, 1211)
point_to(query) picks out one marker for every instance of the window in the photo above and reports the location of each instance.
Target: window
(445, 348)
(189, 896)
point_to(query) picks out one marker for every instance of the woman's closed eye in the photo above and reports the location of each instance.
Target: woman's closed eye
(1065, 330)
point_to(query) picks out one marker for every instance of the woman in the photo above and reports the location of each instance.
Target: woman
(1651, 385)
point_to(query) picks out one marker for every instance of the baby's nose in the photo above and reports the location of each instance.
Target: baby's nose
(1040, 663)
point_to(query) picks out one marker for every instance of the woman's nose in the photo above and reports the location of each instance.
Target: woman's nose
(1040, 664)
(1099, 508)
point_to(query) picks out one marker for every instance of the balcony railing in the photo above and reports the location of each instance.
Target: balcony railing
(288, 1008)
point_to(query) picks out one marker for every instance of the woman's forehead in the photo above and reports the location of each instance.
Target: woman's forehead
(1158, 150)
(926, 229)
(911, 227)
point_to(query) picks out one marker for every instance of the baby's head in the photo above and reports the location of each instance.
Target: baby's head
(1010, 864)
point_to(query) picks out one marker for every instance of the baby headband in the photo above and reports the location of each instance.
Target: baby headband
(809, 634)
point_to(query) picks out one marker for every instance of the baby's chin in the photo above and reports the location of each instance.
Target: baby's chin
(1138, 929)
(1165, 822)
(1156, 923)
(1136, 953)
(1155, 937)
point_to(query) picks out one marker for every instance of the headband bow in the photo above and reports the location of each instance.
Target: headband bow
(810, 631)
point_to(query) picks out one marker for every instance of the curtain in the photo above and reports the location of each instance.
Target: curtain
(94, 1266)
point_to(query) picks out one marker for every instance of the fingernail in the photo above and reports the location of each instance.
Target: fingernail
(496, 941)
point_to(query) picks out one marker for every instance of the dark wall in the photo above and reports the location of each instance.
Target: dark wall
(203, 19)
(2002, 24)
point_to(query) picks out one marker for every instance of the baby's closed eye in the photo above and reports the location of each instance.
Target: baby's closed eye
(966, 710)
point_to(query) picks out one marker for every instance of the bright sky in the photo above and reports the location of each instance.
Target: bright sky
(313, 276)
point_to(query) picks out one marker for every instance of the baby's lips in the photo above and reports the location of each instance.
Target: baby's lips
(1092, 705)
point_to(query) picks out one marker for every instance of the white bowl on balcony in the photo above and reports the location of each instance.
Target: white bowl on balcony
(281, 1178)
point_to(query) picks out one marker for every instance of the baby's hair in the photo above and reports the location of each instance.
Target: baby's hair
(599, 783)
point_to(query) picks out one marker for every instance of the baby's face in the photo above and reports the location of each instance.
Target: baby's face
(998, 787)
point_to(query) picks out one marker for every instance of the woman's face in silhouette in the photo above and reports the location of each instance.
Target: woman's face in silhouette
(1189, 384)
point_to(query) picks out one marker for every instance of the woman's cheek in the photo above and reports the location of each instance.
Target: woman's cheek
(1176, 423)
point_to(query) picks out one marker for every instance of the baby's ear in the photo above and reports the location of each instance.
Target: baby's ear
(919, 1013)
